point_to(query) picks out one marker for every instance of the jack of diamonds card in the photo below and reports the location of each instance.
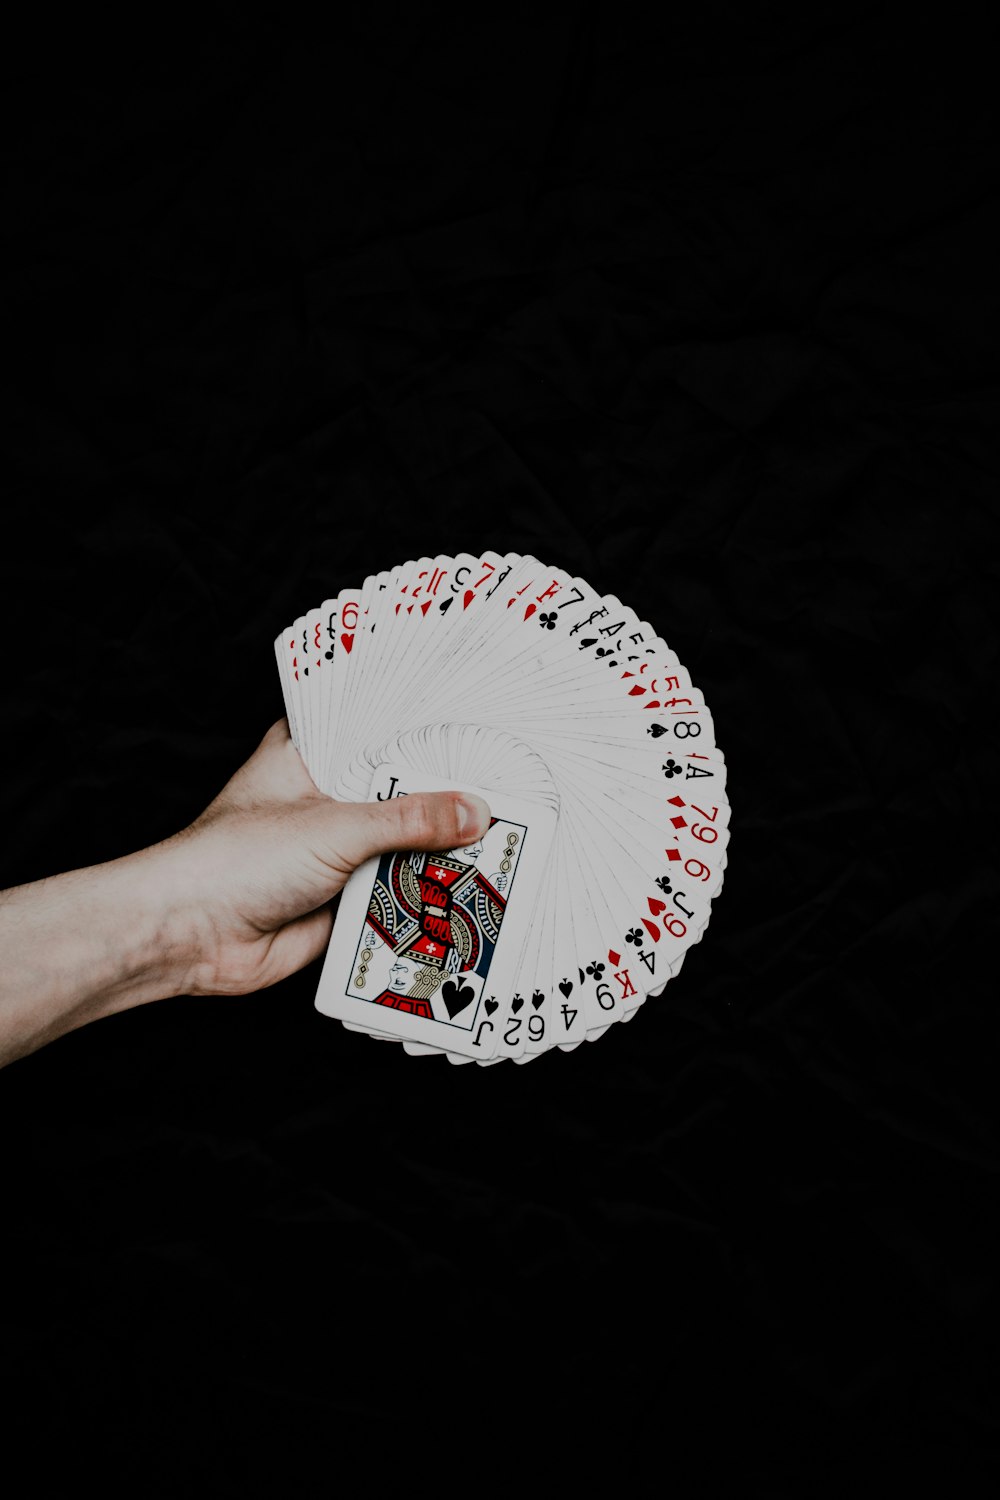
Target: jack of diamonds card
(426, 946)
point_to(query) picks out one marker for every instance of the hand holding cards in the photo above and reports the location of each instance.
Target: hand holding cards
(581, 730)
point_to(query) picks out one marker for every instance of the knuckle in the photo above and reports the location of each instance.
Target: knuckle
(420, 822)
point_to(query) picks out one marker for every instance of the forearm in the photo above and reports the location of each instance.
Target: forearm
(83, 945)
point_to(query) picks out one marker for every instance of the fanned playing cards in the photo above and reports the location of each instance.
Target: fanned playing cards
(596, 754)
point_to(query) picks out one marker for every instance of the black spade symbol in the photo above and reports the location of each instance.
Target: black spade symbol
(516, 1003)
(446, 605)
(456, 997)
(656, 730)
(592, 641)
(566, 986)
(537, 999)
(491, 1006)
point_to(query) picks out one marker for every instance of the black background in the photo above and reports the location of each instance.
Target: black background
(707, 314)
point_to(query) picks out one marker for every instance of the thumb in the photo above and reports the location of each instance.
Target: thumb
(418, 820)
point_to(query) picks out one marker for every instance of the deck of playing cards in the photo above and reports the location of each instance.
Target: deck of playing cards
(580, 728)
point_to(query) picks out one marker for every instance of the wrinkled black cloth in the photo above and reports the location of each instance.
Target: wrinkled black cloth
(708, 315)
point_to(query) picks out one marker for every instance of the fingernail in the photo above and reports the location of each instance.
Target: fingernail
(473, 816)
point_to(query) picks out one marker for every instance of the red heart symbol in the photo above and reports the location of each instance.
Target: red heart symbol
(655, 906)
(652, 929)
(637, 691)
(530, 611)
(470, 594)
(347, 641)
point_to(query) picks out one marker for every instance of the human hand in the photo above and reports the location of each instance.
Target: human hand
(250, 881)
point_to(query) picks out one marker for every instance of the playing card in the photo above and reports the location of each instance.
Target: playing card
(425, 946)
(597, 753)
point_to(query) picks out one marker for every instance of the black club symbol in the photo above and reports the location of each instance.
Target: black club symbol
(328, 655)
(634, 935)
(664, 884)
(671, 769)
(603, 651)
(596, 970)
(548, 622)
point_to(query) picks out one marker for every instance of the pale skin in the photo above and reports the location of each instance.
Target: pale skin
(230, 905)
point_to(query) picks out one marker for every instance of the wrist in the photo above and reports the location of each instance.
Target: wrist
(171, 935)
(134, 942)
(157, 941)
(181, 879)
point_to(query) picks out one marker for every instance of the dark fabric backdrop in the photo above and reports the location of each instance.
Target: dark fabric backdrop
(709, 315)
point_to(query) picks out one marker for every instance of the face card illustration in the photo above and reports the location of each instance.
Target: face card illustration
(426, 944)
(432, 926)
